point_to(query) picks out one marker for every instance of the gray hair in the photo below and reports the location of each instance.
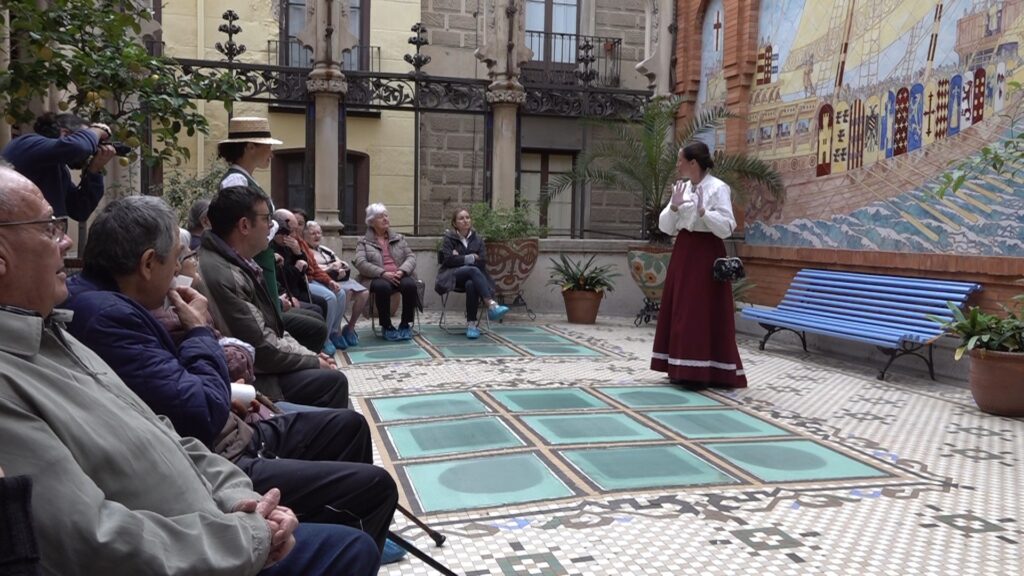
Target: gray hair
(311, 223)
(125, 229)
(374, 210)
(196, 213)
(185, 237)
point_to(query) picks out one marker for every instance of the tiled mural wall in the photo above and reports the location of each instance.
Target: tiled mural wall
(862, 103)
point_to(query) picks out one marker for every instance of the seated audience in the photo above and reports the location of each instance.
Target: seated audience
(462, 260)
(301, 271)
(197, 222)
(387, 265)
(242, 307)
(116, 489)
(323, 460)
(337, 270)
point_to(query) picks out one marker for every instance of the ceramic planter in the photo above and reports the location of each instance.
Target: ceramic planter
(648, 265)
(581, 305)
(997, 381)
(509, 262)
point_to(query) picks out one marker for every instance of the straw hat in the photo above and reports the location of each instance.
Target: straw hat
(246, 129)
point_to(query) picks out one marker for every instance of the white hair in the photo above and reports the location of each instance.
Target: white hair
(374, 210)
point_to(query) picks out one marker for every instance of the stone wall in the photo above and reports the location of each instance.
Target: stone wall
(451, 166)
(614, 213)
(623, 19)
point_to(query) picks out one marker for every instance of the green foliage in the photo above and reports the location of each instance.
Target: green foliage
(978, 329)
(181, 190)
(571, 274)
(503, 224)
(641, 158)
(739, 291)
(1004, 157)
(93, 50)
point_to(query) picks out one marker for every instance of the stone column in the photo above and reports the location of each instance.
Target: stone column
(505, 107)
(504, 50)
(327, 33)
(328, 87)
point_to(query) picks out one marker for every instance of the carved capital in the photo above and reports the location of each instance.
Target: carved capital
(328, 85)
(503, 96)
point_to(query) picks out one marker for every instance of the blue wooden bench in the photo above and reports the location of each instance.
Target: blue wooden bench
(890, 312)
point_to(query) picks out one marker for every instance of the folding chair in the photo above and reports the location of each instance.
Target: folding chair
(443, 325)
(420, 288)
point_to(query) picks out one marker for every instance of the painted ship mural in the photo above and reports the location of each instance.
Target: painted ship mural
(873, 98)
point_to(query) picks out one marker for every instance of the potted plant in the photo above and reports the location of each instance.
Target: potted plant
(996, 346)
(583, 286)
(511, 239)
(641, 158)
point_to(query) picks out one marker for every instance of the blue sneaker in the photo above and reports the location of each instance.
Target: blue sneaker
(496, 313)
(350, 336)
(329, 349)
(339, 341)
(472, 332)
(391, 334)
(405, 333)
(392, 552)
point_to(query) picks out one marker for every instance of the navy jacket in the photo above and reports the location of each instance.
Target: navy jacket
(189, 384)
(44, 161)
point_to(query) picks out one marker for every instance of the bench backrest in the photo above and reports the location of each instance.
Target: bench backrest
(890, 302)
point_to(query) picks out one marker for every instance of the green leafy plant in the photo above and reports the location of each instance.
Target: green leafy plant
(569, 274)
(500, 224)
(640, 157)
(93, 50)
(740, 288)
(979, 329)
(181, 190)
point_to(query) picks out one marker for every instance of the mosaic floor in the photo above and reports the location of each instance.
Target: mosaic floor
(538, 464)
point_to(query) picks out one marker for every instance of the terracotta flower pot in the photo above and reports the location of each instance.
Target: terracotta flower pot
(997, 382)
(581, 305)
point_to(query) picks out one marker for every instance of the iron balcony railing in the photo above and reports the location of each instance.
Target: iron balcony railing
(296, 55)
(573, 59)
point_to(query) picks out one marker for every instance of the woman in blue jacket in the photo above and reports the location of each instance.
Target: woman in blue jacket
(462, 260)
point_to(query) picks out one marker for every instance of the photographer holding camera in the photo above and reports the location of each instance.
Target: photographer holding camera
(62, 142)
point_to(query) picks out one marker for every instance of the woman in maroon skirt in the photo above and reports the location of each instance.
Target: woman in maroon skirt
(695, 342)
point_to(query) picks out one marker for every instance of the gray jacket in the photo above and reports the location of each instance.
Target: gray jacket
(369, 260)
(116, 490)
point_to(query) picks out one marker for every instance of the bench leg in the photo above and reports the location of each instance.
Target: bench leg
(907, 350)
(773, 329)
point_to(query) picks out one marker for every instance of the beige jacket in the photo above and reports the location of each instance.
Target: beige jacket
(369, 260)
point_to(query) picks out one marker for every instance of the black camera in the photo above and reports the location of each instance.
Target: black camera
(120, 148)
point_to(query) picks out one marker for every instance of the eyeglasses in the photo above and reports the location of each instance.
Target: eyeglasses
(265, 216)
(56, 226)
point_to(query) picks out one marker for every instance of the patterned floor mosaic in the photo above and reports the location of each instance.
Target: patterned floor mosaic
(946, 498)
(502, 341)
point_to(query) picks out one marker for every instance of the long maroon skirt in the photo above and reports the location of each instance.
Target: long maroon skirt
(696, 335)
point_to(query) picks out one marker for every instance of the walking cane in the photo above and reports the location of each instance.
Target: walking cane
(436, 536)
(412, 549)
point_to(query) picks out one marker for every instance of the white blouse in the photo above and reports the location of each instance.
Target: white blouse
(718, 218)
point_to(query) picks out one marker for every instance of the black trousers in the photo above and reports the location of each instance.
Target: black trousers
(322, 463)
(382, 291)
(306, 326)
(315, 387)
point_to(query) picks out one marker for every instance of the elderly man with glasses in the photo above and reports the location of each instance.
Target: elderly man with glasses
(116, 489)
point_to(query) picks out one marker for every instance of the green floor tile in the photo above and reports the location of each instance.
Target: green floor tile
(527, 339)
(724, 423)
(559, 350)
(485, 481)
(792, 461)
(656, 396)
(388, 354)
(476, 351)
(645, 467)
(589, 428)
(427, 406)
(451, 437)
(551, 399)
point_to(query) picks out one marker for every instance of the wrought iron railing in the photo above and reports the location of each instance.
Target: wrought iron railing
(573, 60)
(296, 55)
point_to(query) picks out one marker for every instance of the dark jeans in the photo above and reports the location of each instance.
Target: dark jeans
(382, 291)
(473, 282)
(326, 550)
(315, 387)
(324, 469)
(306, 326)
